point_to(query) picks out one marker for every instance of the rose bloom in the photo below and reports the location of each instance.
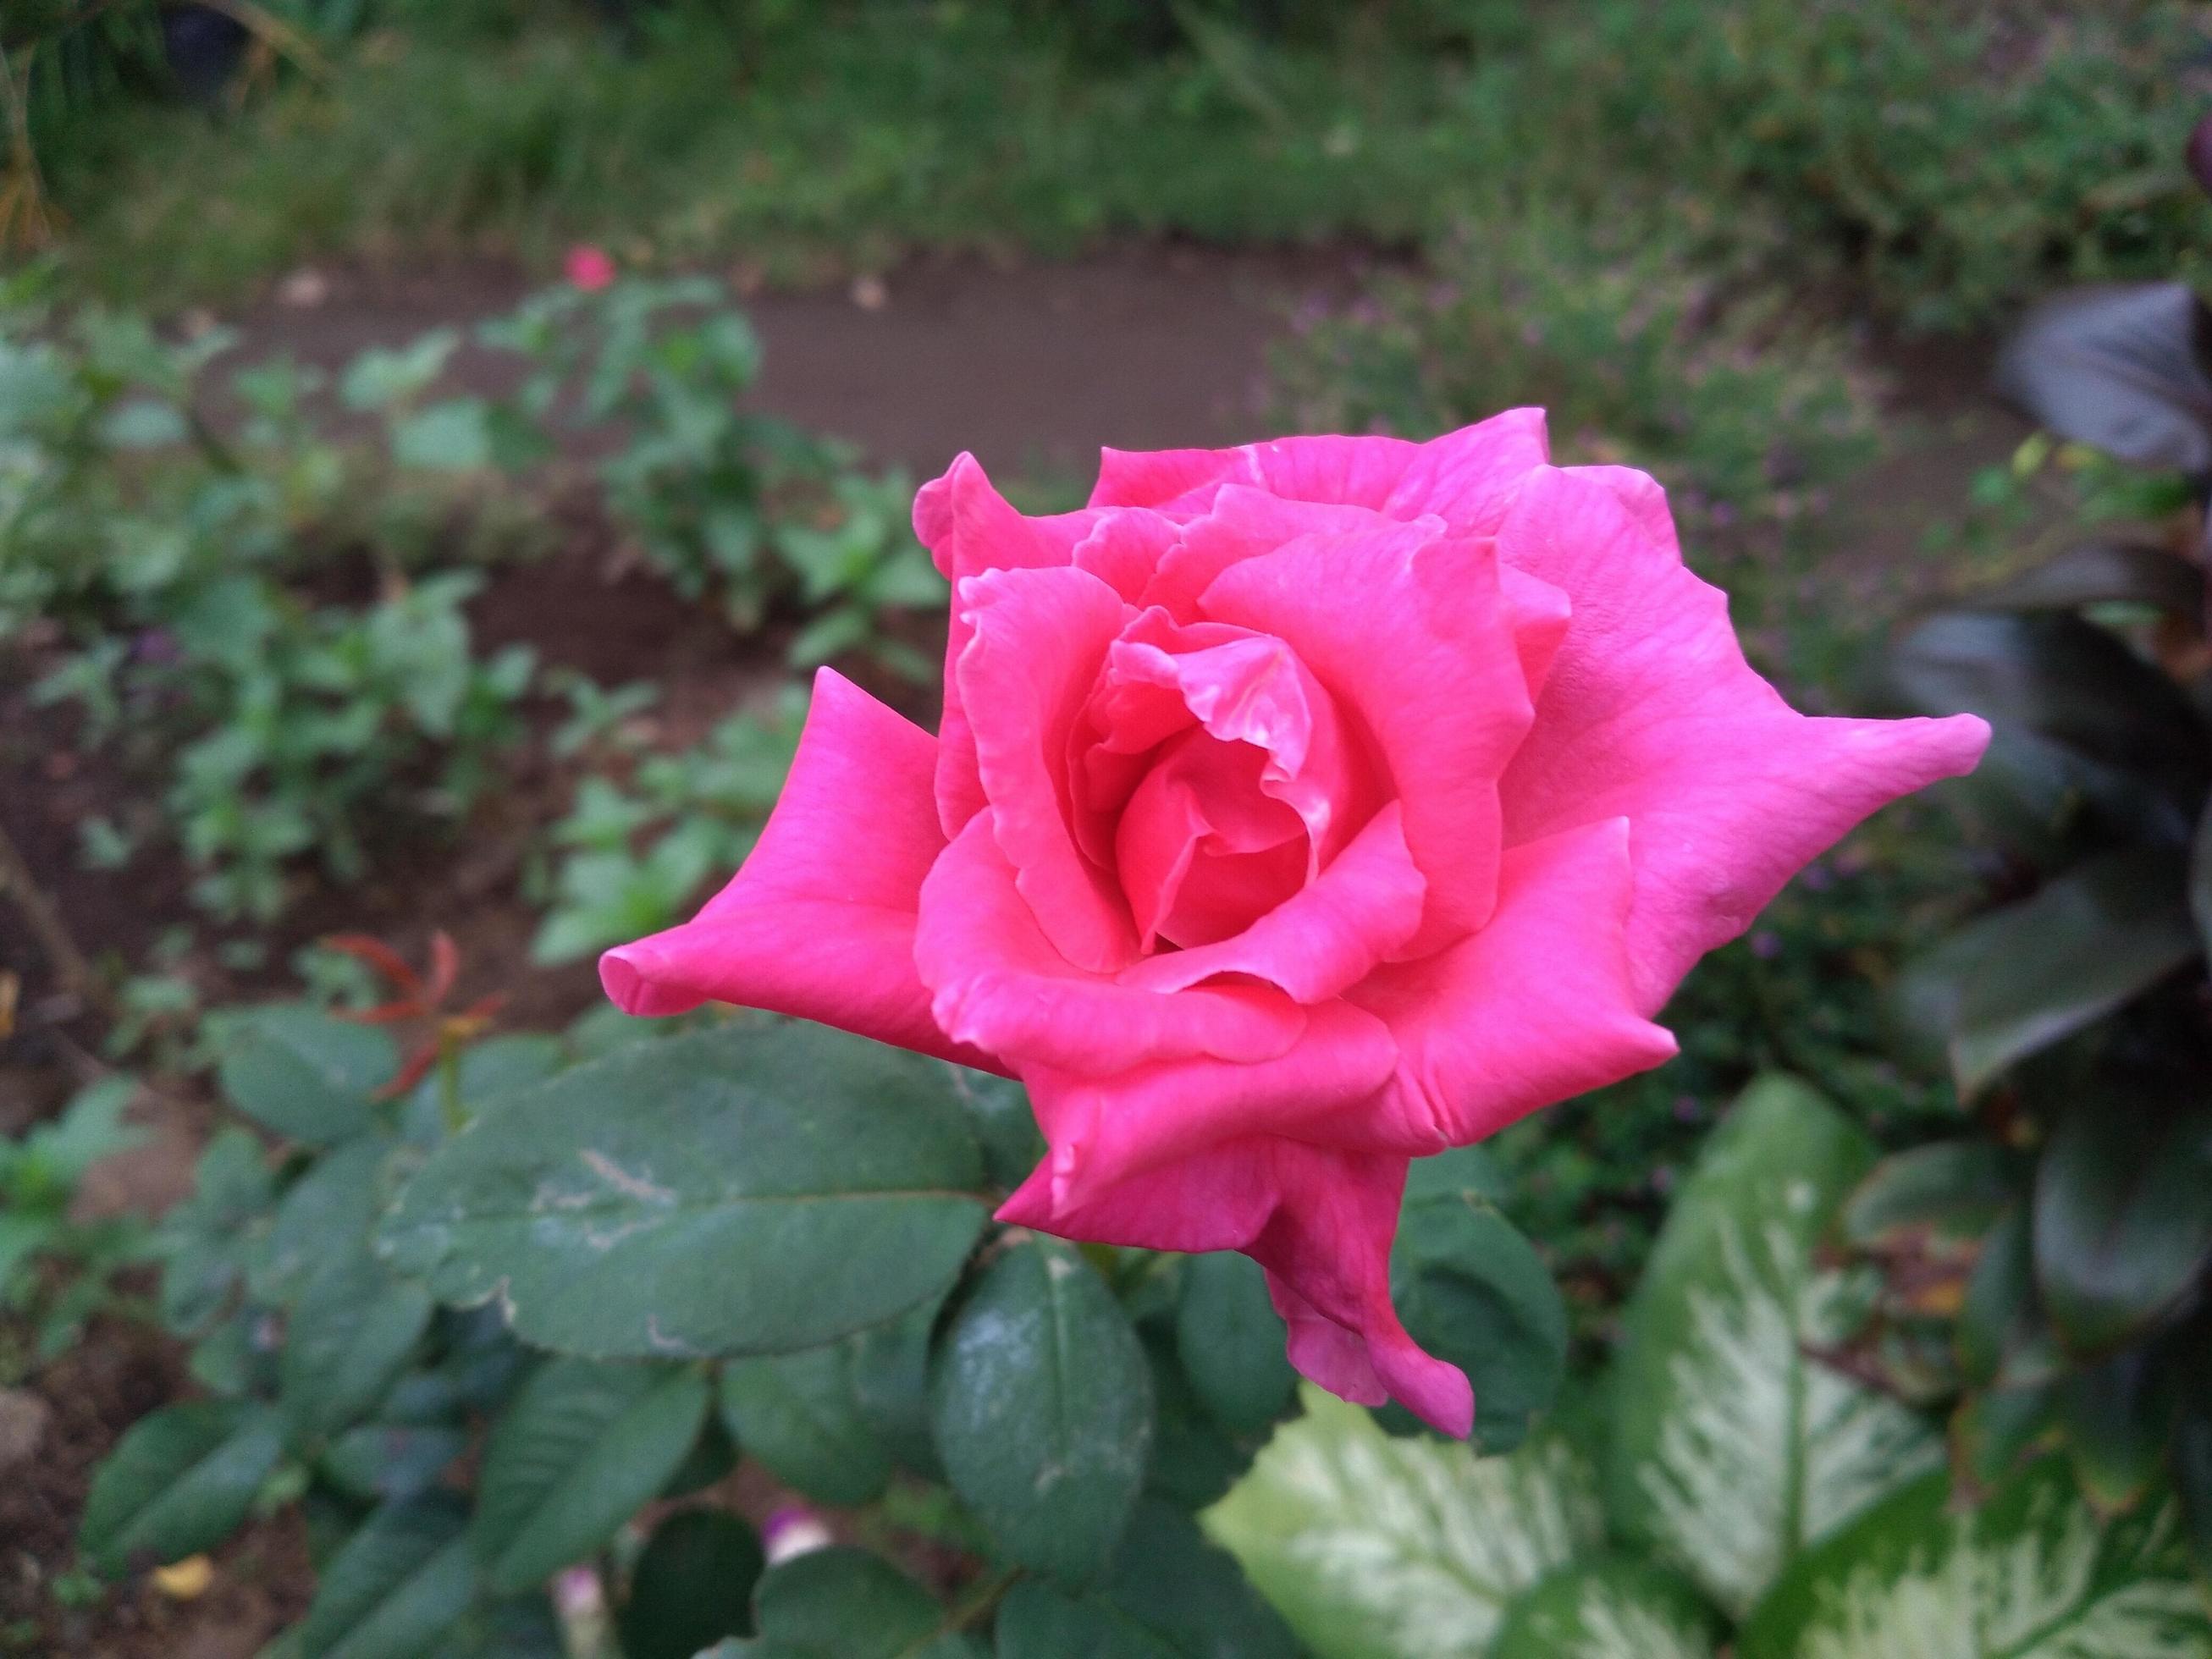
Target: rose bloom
(588, 268)
(1297, 811)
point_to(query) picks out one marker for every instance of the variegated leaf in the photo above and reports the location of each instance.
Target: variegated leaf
(1380, 1548)
(1610, 1609)
(1734, 1447)
(2032, 1574)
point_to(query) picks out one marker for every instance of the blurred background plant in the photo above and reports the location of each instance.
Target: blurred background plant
(2048, 1274)
(57, 1265)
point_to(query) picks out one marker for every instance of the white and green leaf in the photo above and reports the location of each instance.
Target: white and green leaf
(1734, 1447)
(1613, 1607)
(2032, 1574)
(1380, 1548)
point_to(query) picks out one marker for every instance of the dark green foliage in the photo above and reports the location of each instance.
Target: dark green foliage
(2076, 1013)
(756, 1241)
(691, 1587)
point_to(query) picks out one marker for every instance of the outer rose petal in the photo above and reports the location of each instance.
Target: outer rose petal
(1320, 1221)
(1465, 478)
(999, 984)
(1038, 640)
(1651, 713)
(820, 921)
(1468, 478)
(1538, 1006)
(1407, 625)
(969, 528)
(1105, 1130)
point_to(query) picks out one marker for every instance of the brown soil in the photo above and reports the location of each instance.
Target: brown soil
(116, 1375)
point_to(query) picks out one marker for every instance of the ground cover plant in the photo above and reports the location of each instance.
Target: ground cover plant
(205, 636)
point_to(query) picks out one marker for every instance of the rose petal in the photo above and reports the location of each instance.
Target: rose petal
(1407, 625)
(1325, 938)
(1241, 522)
(1468, 478)
(969, 528)
(998, 984)
(820, 921)
(1105, 1130)
(1199, 850)
(1038, 640)
(1320, 1221)
(1538, 1006)
(1651, 713)
(1124, 547)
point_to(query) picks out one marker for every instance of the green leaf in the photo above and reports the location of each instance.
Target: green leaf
(838, 1171)
(2004, 1340)
(584, 1447)
(2122, 368)
(451, 436)
(1473, 1291)
(1194, 1461)
(90, 1129)
(1169, 1594)
(1948, 1192)
(1994, 1429)
(798, 1415)
(889, 1371)
(181, 1480)
(1376, 1548)
(486, 1070)
(391, 1459)
(1231, 1342)
(998, 1114)
(692, 1586)
(2116, 1416)
(396, 1586)
(1043, 1409)
(2123, 1213)
(2032, 1574)
(2103, 573)
(1610, 1609)
(207, 1240)
(847, 1603)
(2021, 978)
(1733, 1448)
(2191, 1463)
(331, 1206)
(306, 1074)
(348, 1340)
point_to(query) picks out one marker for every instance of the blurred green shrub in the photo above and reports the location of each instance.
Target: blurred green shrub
(1937, 161)
(189, 587)
(633, 852)
(57, 1269)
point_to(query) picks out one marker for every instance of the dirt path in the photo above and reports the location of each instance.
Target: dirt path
(1032, 367)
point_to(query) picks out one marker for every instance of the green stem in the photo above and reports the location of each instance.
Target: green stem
(449, 1083)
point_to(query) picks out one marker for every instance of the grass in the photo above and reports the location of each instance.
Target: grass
(1942, 159)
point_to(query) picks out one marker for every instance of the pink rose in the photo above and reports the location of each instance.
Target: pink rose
(1297, 811)
(588, 268)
